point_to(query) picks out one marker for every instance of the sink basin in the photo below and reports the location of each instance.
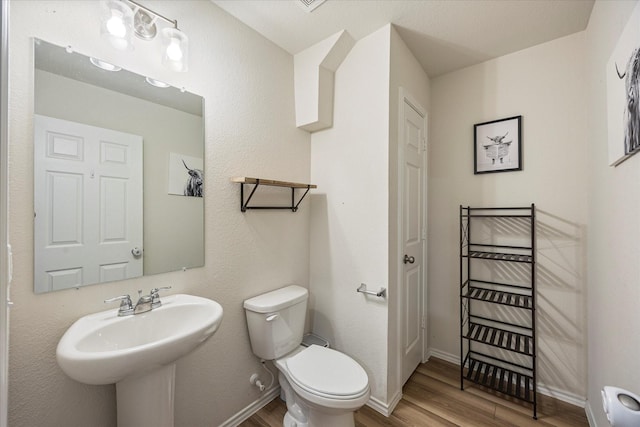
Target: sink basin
(103, 348)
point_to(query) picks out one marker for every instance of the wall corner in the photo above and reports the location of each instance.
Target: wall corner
(314, 70)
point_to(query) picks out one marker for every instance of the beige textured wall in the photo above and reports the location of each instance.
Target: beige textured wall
(349, 163)
(614, 208)
(546, 85)
(250, 130)
(354, 215)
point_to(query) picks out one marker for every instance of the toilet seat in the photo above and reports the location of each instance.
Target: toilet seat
(327, 373)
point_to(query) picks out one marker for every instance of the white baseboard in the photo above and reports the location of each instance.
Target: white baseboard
(562, 395)
(550, 391)
(252, 408)
(447, 357)
(590, 417)
(394, 402)
(384, 409)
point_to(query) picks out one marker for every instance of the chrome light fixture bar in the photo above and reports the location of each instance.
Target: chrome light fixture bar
(123, 18)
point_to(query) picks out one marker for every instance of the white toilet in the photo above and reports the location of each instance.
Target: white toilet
(322, 387)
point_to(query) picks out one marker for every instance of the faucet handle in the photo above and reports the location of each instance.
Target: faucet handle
(126, 306)
(154, 291)
(155, 298)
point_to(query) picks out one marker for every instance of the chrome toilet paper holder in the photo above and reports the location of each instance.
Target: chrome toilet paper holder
(382, 293)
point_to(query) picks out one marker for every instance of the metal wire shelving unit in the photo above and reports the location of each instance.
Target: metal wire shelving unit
(498, 300)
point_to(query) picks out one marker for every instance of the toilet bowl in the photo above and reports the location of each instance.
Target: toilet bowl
(322, 386)
(327, 385)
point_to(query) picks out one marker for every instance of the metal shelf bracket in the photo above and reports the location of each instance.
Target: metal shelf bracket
(256, 182)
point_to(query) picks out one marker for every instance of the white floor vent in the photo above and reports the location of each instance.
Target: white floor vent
(309, 5)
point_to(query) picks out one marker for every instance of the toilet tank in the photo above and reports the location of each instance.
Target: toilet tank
(276, 321)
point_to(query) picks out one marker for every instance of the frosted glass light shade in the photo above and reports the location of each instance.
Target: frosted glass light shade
(117, 24)
(175, 49)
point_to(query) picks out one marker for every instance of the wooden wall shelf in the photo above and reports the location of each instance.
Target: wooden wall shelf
(256, 182)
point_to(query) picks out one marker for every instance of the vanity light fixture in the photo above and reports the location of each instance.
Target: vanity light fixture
(116, 24)
(175, 49)
(123, 18)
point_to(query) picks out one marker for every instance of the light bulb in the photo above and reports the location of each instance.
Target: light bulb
(115, 25)
(174, 51)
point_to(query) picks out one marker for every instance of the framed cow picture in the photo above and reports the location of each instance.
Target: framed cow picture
(186, 176)
(623, 93)
(497, 145)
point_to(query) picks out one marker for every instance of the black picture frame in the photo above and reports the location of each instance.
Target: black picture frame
(497, 146)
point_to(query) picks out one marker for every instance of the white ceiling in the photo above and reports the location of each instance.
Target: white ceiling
(444, 35)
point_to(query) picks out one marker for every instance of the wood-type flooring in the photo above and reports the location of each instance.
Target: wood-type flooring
(432, 397)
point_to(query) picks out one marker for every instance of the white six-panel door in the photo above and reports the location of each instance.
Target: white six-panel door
(412, 175)
(88, 204)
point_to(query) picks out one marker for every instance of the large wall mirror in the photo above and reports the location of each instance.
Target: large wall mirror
(118, 173)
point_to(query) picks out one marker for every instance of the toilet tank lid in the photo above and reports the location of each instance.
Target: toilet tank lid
(276, 300)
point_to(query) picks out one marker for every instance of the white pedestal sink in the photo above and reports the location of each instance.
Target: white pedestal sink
(138, 354)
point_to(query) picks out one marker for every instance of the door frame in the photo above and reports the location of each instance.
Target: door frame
(406, 97)
(5, 262)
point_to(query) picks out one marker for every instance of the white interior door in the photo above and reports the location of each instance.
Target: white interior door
(413, 235)
(88, 204)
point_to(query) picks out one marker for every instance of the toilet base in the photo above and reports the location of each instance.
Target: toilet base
(317, 419)
(302, 414)
(289, 421)
(320, 420)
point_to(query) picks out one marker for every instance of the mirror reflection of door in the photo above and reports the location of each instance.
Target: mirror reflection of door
(88, 204)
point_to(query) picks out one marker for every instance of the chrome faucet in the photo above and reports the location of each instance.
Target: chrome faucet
(145, 302)
(126, 306)
(155, 298)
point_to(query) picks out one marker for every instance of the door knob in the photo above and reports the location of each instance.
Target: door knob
(136, 252)
(409, 259)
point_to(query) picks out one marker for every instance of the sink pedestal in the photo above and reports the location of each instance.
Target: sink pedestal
(147, 400)
(138, 353)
